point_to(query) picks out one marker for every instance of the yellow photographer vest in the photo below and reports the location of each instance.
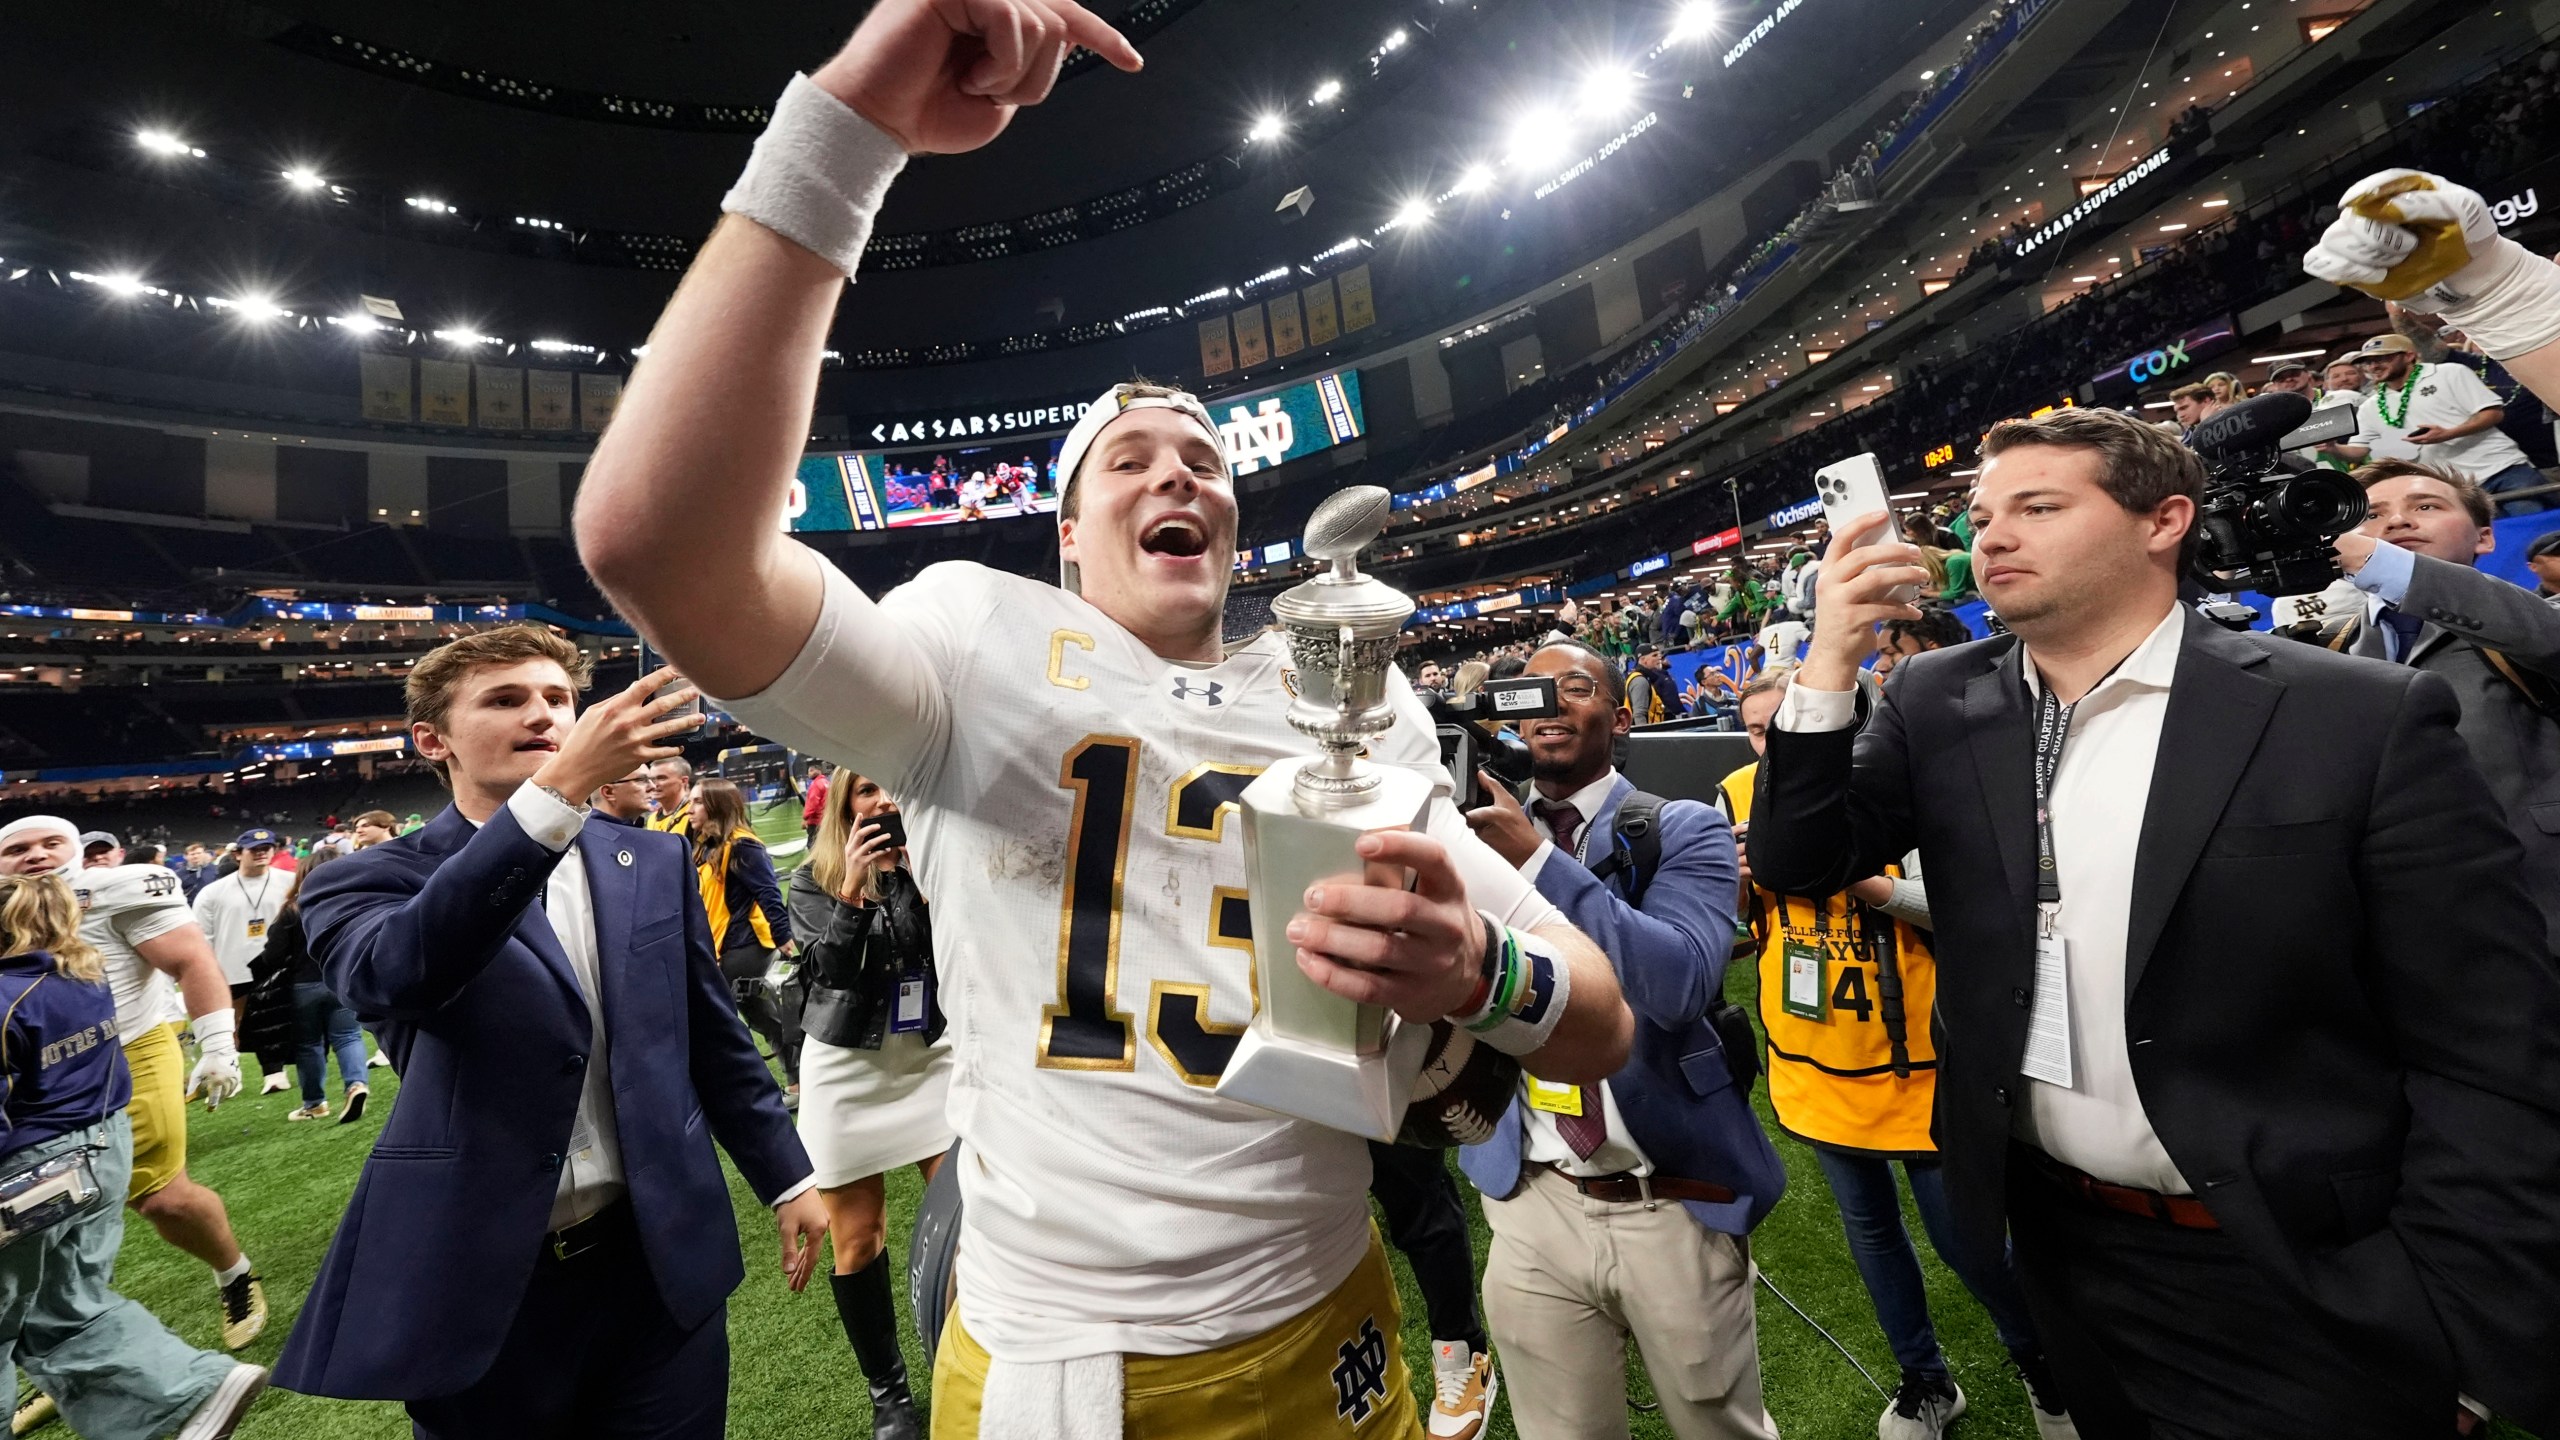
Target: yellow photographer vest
(1834, 1077)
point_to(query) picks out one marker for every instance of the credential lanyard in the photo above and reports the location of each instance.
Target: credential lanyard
(2053, 727)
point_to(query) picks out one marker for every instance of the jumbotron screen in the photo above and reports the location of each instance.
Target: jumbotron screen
(952, 484)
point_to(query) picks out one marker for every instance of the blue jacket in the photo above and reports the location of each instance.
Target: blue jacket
(435, 939)
(1674, 1091)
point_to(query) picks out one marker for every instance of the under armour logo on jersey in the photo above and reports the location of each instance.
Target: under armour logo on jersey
(1210, 694)
(1360, 1374)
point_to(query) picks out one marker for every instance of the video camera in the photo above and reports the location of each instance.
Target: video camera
(1473, 737)
(2262, 527)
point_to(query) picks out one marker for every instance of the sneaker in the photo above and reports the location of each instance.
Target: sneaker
(378, 1059)
(220, 1414)
(35, 1411)
(356, 1096)
(1924, 1405)
(309, 1112)
(2043, 1400)
(244, 1315)
(274, 1082)
(1466, 1384)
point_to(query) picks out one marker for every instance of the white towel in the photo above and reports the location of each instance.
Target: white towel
(1075, 1399)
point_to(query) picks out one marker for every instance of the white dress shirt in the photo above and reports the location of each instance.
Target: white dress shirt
(1543, 1144)
(591, 1175)
(2101, 791)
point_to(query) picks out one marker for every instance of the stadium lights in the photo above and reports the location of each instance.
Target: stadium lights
(303, 178)
(2287, 355)
(429, 204)
(119, 284)
(1394, 41)
(1928, 74)
(1412, 212)
(535, 222)
(161, 142)
(1266, 129)
(250, 307)
(1696, 20)
(561, 347)
(1536, 138)
(1472, 179)
(1204, 297)
(459, 336)
(359, 322)
(1606, 92)
(1326, 93)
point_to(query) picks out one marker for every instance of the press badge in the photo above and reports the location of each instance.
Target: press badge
(257, 928)
(1553, 1098)
(1806, 995)
(2048, 1056)
(909, 1015)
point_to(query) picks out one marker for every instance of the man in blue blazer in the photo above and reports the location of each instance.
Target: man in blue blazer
(542, 1242)
(1578, 1180)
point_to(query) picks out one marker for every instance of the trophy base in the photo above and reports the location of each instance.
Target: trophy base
(1362, 1094)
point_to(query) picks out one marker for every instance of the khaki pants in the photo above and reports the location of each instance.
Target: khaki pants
(1570, 1279)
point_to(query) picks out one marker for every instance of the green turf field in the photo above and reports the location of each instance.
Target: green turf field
(792, 1374)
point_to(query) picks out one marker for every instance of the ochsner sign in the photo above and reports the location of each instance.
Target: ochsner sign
(2053, 228)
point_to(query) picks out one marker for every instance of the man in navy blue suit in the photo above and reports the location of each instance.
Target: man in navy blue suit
(1580, 1180)
(542, 1242)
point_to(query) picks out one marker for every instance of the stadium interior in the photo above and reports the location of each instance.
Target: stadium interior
(311, 316)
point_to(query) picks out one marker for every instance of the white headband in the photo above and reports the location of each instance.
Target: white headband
(53, 824)
(1114, 403)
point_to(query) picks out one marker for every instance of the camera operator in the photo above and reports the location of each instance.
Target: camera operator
(1574, 1174)
(2427, 605)
(2248, 1031)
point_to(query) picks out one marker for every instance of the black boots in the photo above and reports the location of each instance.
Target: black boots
(871, 1322)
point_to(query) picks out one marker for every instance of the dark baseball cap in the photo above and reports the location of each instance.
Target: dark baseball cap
(2545, 544)
(2288, 367)
(259, 836)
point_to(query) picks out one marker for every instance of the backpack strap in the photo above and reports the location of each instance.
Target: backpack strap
(1635, 844)
(2538, 696)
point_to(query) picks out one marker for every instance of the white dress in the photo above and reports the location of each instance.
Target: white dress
(867, 1112)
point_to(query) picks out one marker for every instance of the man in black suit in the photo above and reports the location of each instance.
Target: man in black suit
(2248, 1032)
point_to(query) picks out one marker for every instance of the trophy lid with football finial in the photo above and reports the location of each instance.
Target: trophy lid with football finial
(1343, 526)
(1344, 628)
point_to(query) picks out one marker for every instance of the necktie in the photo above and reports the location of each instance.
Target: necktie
(1563, 821)
(1585, 1131)
(2405, 626)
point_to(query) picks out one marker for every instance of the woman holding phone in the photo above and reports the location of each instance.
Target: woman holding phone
(875, 1070)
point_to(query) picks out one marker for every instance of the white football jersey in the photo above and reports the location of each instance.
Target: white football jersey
(1070, 808)
(125, 907)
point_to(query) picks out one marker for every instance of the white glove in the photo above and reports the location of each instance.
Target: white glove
(217, 1073)
(2409, 236)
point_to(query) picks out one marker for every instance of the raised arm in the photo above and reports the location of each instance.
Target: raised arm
(685, 495)
(2434, 247)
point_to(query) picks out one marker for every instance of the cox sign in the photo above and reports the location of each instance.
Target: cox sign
(2169, 356)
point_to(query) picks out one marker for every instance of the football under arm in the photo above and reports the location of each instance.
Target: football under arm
(185, 954)
(1591, 1041)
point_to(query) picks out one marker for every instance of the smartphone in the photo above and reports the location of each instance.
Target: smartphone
(894, 825)
(651, 660)
(1855, 487)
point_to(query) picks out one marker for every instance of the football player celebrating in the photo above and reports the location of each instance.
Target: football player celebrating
(162, 969)
(1137, 1253)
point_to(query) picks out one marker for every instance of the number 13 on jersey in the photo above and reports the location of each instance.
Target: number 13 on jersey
(1084, 1028)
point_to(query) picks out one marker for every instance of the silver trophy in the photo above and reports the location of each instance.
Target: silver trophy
(1309, 1052)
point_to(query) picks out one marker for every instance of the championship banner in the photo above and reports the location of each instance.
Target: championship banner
(1323, 328)
(1288, 333)
(499, 389)
(598, 394)
(546, 400)
(444, 392)
(1217, 355)
(385, 379)
(1357, 311)
(1251, 348)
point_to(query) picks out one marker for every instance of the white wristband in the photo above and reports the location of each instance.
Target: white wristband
(817, 175)
(2507, 301)
(214, 1025)
(1529, 986)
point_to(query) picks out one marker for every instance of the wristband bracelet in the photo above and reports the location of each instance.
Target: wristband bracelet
(817, 175)
(1522, 995)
